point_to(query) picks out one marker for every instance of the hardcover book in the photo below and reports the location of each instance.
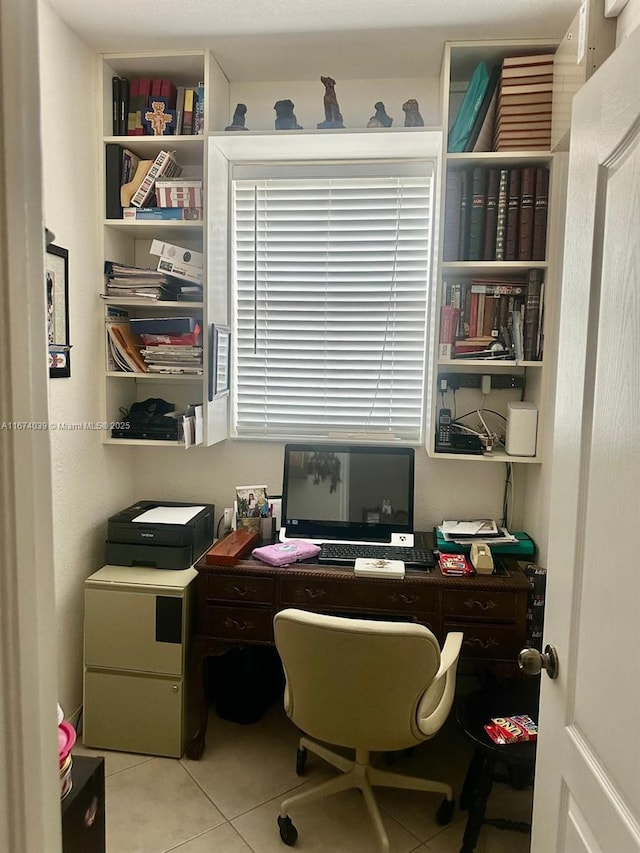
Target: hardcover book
(491, 215)
(527, 200)
(540, 214)
(452, 201)
(469, 109)
(466, 190)
(501, 216)
(477, 217)
(513, 216)
(481, 135)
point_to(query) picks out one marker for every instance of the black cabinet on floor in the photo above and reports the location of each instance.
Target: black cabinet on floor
(83, 809)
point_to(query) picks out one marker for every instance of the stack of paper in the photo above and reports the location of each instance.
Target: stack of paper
(483, 531)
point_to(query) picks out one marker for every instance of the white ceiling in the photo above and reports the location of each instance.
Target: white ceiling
(301, 39)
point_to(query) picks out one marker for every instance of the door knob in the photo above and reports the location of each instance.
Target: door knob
(531, 661)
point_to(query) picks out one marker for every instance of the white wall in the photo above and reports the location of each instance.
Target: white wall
(90, 481)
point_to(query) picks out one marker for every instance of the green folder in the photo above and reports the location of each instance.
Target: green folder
(471, 103)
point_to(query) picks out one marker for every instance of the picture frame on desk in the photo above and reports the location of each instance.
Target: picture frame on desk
(57, 285)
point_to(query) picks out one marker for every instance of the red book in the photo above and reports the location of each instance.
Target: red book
(449, 319)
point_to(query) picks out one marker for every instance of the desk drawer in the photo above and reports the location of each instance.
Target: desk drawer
(488, 642)
(240, 589)
(368, 596)
(253, 625)
(480, 605)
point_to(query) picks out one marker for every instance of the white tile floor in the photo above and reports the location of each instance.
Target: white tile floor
(228, 801)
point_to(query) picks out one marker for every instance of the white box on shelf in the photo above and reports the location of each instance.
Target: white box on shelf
(522, 427)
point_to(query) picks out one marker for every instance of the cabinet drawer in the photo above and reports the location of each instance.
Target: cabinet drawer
(480, 605)
(488, 642)
(239, 623)
(384, 597)
(240, 589)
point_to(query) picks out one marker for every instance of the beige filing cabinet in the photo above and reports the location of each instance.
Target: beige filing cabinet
(136, 637)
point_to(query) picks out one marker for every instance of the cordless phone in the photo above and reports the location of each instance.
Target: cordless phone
(444, 428)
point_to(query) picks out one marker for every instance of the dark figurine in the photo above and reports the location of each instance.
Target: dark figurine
(332, 114)
(412, 117)
(238, 118)
(380, 119)
(285, 116)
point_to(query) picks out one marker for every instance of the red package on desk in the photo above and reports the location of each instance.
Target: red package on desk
(455, 564)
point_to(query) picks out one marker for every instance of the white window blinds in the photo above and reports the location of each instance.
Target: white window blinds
(331, 281)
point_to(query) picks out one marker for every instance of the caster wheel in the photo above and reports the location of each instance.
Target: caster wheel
(288, 832)
(301, 760)
(445, 812)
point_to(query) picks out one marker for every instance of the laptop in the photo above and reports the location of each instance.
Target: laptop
(348, 495)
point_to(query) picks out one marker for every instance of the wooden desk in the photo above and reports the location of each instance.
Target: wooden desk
(236, 605)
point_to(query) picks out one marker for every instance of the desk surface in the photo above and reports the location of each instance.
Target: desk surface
(235, 605)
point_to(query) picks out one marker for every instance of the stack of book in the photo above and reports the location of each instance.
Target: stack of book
(496, 214)
(481, 312)
(135, 101)
(525, 95)
(172, 345)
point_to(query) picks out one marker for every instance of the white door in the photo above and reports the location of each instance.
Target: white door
(587, 793)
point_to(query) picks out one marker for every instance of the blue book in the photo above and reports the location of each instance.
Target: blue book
(146, 213)
(469, 108)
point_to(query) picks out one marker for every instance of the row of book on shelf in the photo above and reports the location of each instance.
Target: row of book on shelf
(157, 107)
(163, 345)
(507, 108)
(141, 189)
(489, 318)
(495, 214)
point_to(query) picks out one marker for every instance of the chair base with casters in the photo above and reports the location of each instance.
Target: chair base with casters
(368, 686)
(518, 759)
(359, 774)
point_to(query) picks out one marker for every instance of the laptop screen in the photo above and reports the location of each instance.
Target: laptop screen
(348, 493)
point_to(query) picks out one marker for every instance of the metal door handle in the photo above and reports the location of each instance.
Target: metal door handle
(531, 661)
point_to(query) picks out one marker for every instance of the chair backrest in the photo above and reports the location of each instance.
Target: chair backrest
(359, 682)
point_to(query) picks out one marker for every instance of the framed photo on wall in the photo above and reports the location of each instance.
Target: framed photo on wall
(57, 284)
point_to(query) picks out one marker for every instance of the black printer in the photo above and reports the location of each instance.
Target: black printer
(163, 534)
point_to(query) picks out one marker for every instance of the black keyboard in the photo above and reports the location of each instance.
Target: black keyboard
(336, 552)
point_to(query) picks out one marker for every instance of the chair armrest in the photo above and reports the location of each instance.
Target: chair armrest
(450, 652)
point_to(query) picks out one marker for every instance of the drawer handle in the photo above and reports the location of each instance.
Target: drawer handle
(237, 625)
(311, 593)
(241, 591)
(483, 605)
(476, 641)
(405, 598)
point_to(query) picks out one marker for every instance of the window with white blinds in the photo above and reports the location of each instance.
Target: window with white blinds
(331, 278)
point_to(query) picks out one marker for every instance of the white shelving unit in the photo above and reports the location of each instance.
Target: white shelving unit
(129, 241)
(460, 59)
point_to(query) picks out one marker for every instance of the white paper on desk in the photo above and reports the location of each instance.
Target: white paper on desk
(481, 527)
(169, 514)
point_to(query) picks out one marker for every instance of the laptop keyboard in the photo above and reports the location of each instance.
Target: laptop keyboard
(336, 552)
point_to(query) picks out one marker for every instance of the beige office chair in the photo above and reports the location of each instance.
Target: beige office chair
(368, 685)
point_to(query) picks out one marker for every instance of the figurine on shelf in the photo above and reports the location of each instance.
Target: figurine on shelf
(285, 116)
(238, 118)
(412, 117)
(332, 114)
(380, 119)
